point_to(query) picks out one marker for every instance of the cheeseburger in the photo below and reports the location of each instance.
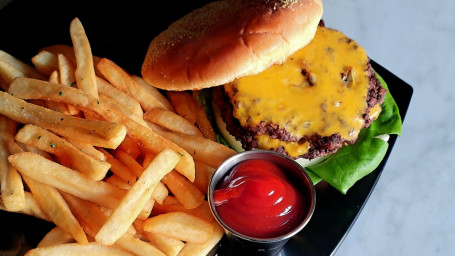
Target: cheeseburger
(283, 83)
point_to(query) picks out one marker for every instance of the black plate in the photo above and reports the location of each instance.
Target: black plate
(121, 31)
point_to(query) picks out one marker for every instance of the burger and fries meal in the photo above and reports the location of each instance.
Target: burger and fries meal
(121, 163)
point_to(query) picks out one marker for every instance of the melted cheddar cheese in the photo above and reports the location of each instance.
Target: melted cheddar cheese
(320, 89)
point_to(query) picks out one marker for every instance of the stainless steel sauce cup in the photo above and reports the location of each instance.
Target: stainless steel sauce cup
(247, 245)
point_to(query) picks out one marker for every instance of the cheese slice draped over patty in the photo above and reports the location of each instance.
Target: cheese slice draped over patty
(320, 89)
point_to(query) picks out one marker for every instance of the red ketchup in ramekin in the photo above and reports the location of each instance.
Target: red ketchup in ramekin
(257, 199)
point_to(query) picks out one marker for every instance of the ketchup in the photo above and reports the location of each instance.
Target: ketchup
(257, 200)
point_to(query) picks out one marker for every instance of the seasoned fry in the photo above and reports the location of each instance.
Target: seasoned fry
(180, 225)
(202, 149)
(135, 199)
(90, 216)
(86, 148)
(153, 91)
(119, 107)
(45, 62)
(129, 103)
(145, 136)
(185, 191)
(119, 169)
(171, 204)
(171, 121)
(85, 71)
(183, 104)
(55, 237)
(129, 146)
(56, 208)
(123, 81)
(39, 138)
(98, 133)
(75, 249)
(8, 73)
(137, 246)
(203, 175)
(25, 69)
(8, 128)
(129, 161)
(65, 179)
(194, 249)
(202, 121)
(170, 246)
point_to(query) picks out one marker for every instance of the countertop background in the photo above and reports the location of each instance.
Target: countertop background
(412, 209)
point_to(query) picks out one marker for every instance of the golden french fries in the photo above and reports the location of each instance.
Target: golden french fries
(75, 249)
(45, 62)
(66, 179)
(49, 142)
(123, 81)
(24, 68)
(181, 226)
(94, 132)
(55, 237)
(105, 156)
(85, 70)
(171, 121)
(185, 191)
(133, 202)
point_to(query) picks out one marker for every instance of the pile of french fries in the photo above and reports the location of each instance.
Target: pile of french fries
(119, 167)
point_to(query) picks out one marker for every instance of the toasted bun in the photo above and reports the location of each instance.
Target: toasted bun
(226, 40)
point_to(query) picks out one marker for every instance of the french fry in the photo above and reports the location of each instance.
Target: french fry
(183, 104)
(39, 138)
(185, 191)
(65, 179)
(90, 216)
(129, 146)
(8, 128)
(86, 148)
(32, 207)
(171, 121)
(119, 169)
(202, 121)
(123, 81)
(170, 246)
(11, 187)
(12, 190)
(118, 106)
(135, 199)
(180, 225)
(129, 161)
(45, 62)
(202, 149)
(56, 106)
(194, 249)
(57, 49)
(67, 77)
(137, 246)
(55, 236)
(171, 204)
(8, 73)
(118, 182)
(26, 69)
(125, 100)
(85, 71)
(75, 249)
(153, 91)
(203, 175)
(56, 208)
(98, 133)
(143, 135)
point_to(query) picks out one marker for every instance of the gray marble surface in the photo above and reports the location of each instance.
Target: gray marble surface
(412, 209)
